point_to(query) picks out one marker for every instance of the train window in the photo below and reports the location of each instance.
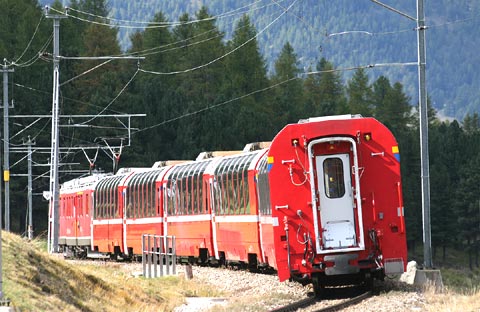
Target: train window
(139, 204)
(263, 187)
(183, 195)
(245, 192)
(85, 205)
(173, 195)
(148, 200)
(79, 206)
(334, 177)
(108, 206)
(141, 198)
(231, 190)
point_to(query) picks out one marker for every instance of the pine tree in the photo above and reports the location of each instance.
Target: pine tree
(246, 73)
(359, 94)
(324, 91)
(100, 86)
(468, 210)
(287, 104)
(333, 99)
(471, 123)
(29, 88)
(154, 93)
(391, 105)
(199, 88)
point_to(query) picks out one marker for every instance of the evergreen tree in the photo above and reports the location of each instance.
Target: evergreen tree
(154, 93)
(471, 124)
(29, 88)
(445, 162)
(200, 88)
(287, 104)
(100, 86)
(391, 105)
(331, 89)
(324, 91)
(246, 73)
(467, 210)
(359, 94)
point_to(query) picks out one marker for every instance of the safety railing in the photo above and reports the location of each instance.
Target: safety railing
(158, 255)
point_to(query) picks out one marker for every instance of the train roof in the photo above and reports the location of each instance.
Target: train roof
(328, 118)
(83, 182)
(165, 163)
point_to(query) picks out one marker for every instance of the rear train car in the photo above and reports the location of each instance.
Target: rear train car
(336, 198)
(75, 217)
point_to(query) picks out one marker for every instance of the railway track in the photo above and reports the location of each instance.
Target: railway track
(311, 301)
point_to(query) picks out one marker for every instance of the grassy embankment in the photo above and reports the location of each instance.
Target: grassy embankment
(33, 280)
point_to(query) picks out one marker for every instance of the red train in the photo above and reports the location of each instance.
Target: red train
(321, 203)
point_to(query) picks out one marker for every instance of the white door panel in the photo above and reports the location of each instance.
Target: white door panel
(336, 200)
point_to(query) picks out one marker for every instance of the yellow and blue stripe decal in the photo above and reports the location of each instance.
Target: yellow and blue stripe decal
(396, 152)
(269, 163)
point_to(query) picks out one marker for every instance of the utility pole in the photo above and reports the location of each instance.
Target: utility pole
(5, 71)
(423, 112)
(6, 152)
(29, 144)
(53, 217)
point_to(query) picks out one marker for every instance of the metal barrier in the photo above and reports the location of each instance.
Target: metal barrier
(158, 255)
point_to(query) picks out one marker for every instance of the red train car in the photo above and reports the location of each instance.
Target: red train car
(186, 213)
(335, 191)
(235, 222)
(113, 203)
(144, 208)
(76, 202)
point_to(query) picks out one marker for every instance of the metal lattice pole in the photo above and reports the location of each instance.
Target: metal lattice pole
(54, 187)
(423, 108)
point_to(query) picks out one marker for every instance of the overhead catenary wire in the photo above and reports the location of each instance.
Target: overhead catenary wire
(210, 107)
(31, 39)
(37, 56)
(86, 72)
(65, 98)
(226, 54)
(162, 25)
(176, 44)
(296, 15)
(114, 99)
(229, 13)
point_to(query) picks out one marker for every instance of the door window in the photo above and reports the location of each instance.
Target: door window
(334, 178)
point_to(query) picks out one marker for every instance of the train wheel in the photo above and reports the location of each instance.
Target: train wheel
(318, 285)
